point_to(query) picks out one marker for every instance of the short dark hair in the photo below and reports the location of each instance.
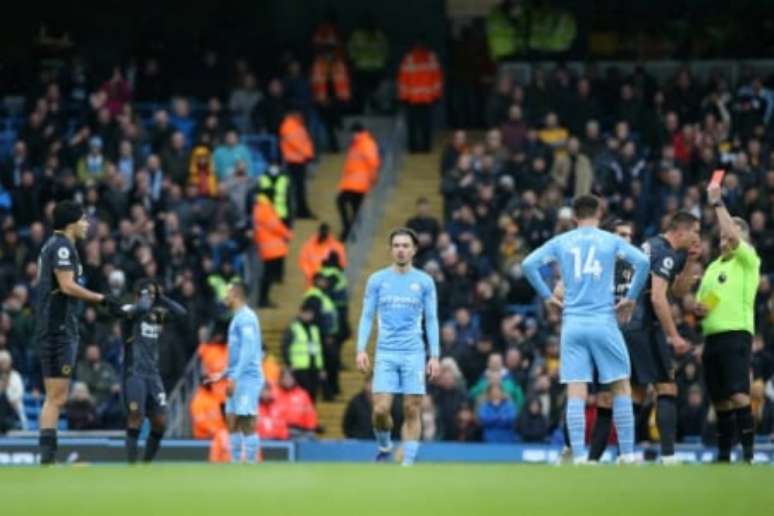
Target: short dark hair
(407, 232)
(682, 220)
(66, 213)
(615, 223)
(585, 206)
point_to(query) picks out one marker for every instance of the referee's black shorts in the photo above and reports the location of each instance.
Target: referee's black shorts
(727, 357)
(650, 355)
(57, 356)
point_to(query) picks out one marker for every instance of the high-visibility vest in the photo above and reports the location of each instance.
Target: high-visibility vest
(328, 307)
(361, 165)
(338, 280)
(271, 235)
(502, 33)
(368, 50)
(420, 79)
(295, 143)
(552, 30)
(278, 185)
(325, 70)
(302, 347)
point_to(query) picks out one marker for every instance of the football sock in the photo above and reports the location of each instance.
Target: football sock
(576, 426)
(252, 444)
(131, 444)
(410, 449)
(48, 445)
(600, 433)
(152, 445)
(726, 429)
(236, 447)
(666, 420)
(623, 415)
(746, 426)
(383, 439)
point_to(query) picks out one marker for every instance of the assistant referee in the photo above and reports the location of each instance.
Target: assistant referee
(726, 301)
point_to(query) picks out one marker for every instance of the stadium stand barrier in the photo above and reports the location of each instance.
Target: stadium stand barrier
(661, 70)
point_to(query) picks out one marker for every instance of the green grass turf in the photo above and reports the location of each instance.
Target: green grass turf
(375, 489)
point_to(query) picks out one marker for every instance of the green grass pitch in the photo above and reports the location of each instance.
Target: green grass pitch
(375, 489)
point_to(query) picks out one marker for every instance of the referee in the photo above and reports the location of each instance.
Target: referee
(726, 301)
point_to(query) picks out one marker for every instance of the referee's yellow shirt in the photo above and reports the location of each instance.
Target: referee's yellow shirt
(728, 288)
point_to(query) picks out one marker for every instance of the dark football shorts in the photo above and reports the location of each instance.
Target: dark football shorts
(726, 359)
(650, 355)
(144, 394)
(57, 356)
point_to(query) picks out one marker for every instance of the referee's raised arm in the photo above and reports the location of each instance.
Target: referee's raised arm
(726, 301)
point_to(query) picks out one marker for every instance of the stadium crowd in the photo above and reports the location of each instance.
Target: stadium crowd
(648, 149)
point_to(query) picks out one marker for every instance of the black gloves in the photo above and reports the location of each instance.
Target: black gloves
(113, 305)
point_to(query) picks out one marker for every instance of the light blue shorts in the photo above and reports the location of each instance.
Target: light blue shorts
(588, 343)
(244, 400)
(399, 373)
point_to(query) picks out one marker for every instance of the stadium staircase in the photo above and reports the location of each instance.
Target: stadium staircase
(418, 177)
(287, 296)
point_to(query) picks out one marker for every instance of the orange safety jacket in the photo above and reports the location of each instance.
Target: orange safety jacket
(295, 143)
(271, 235)
(420, 79)
(325, 70)
(362, 164)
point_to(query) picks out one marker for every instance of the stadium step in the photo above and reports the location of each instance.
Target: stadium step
(287, 296)
(418, 178)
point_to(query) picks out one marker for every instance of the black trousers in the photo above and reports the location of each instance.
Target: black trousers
(309, 380)
(272, 273)
(331, 118)
(419, 127)
(297, 173)
(332, 367)
(348, 204)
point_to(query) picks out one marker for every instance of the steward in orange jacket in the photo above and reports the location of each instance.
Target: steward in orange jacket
(331, 90)
(271, 238)
(297, 151)
(361, 169)
(316, 249)
(270, 423)
(296, 405)
(206, 414)
(420, 84)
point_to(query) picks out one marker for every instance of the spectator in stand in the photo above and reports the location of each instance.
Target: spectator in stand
(175, 159)
(420, 85)
(297, 151)
(449, 397)
(296, 406)
(270, 423)
(14, 388)
(227, 155)
(497, 373)
(9, 419)
(532, 425)
(361, 168)
(267, 114)
(80, 409)
(201, 172)
(101, 381)
(243, 101)
(93, 166)
(357, 422)
(424, 224)
(497, 416)
(181, 119)
(316, 249)
(117, 91)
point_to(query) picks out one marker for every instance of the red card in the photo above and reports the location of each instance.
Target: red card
(717, 177)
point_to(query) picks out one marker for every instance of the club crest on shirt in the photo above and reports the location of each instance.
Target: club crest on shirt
(66, 370)
(63, 253)
(415, 287)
